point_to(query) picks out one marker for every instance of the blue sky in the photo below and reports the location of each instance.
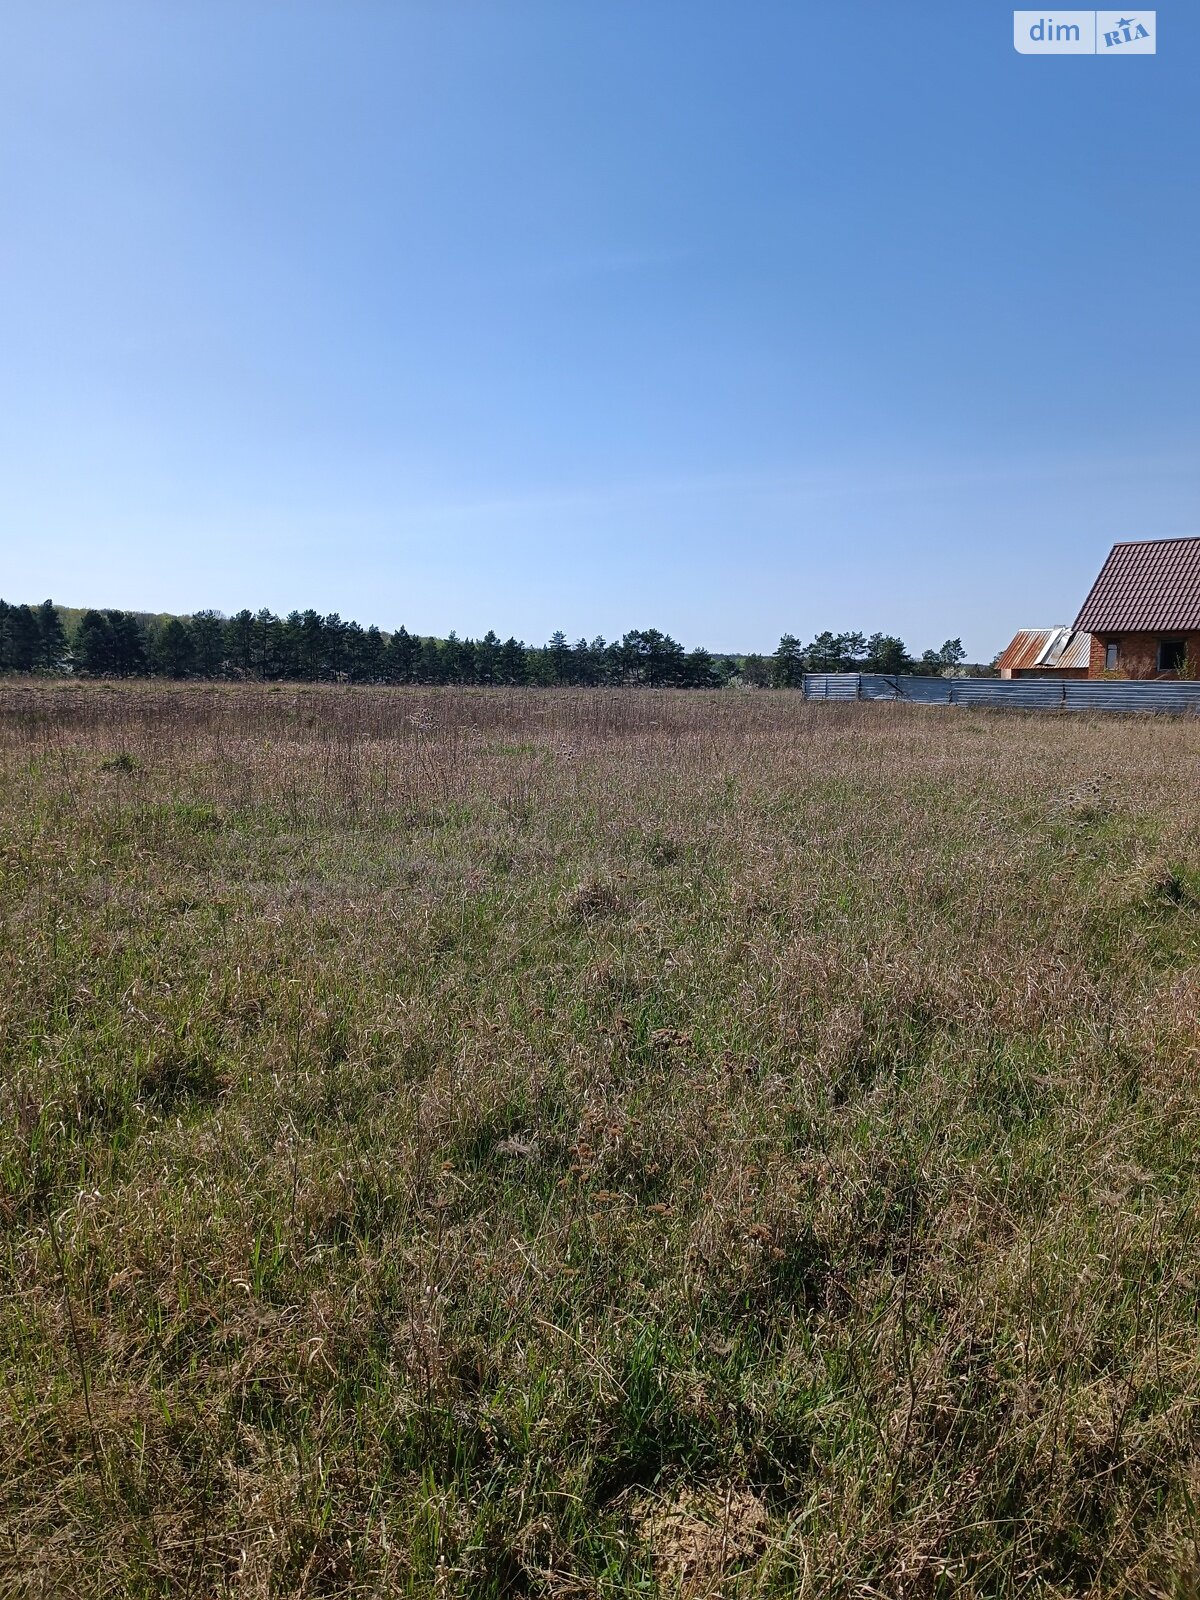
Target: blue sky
(728, 319)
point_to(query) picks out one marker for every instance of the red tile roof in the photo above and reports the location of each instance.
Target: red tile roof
(1146, 586)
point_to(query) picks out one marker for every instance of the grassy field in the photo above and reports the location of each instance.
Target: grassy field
(595, 1143)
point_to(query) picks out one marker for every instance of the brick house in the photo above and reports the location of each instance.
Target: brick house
(1143, 611)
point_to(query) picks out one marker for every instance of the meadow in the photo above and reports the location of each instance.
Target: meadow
(569, 1143)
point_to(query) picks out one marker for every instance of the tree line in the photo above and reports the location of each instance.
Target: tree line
(309, 647)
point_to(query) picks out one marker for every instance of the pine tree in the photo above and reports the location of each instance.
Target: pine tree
(824, 654)
(239, 641)
(662, 658)
(787, 663)
(337, 645)
(851, 648)
(129, 658)
(52, 648)
(372, 648)
(466, 672)
(487, 658)
(312, 644)
(450, 658)
(402, 654)
(431, 667)
(25, 638)
(583, 667)
(174, 649)
(94, 644)
(514, 667)
(699, 670)
(289, 637)
(559, 652)
(208, 644)
(886, 653)
(267, 644)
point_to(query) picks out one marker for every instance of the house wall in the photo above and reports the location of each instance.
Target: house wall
(1137, 654)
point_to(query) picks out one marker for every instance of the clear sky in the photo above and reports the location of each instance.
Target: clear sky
(725, 318)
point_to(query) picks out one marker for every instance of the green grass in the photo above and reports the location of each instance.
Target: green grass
(595, 1143)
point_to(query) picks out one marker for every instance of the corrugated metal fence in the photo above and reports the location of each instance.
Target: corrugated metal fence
(1022, 694)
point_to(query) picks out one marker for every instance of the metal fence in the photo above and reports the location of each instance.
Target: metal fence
(1021, 694)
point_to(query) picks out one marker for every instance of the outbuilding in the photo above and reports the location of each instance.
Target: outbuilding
(1046, 653)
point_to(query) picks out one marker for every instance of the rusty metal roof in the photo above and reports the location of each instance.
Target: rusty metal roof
(1146, 586)
(1027, 648)
(1048, 650)
(1077, 652)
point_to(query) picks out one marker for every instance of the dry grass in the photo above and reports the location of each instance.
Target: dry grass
(595, 1143)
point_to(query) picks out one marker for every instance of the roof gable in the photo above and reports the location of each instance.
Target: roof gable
(1145, 586)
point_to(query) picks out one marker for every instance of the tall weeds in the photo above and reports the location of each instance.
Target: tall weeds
(515, 1143)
